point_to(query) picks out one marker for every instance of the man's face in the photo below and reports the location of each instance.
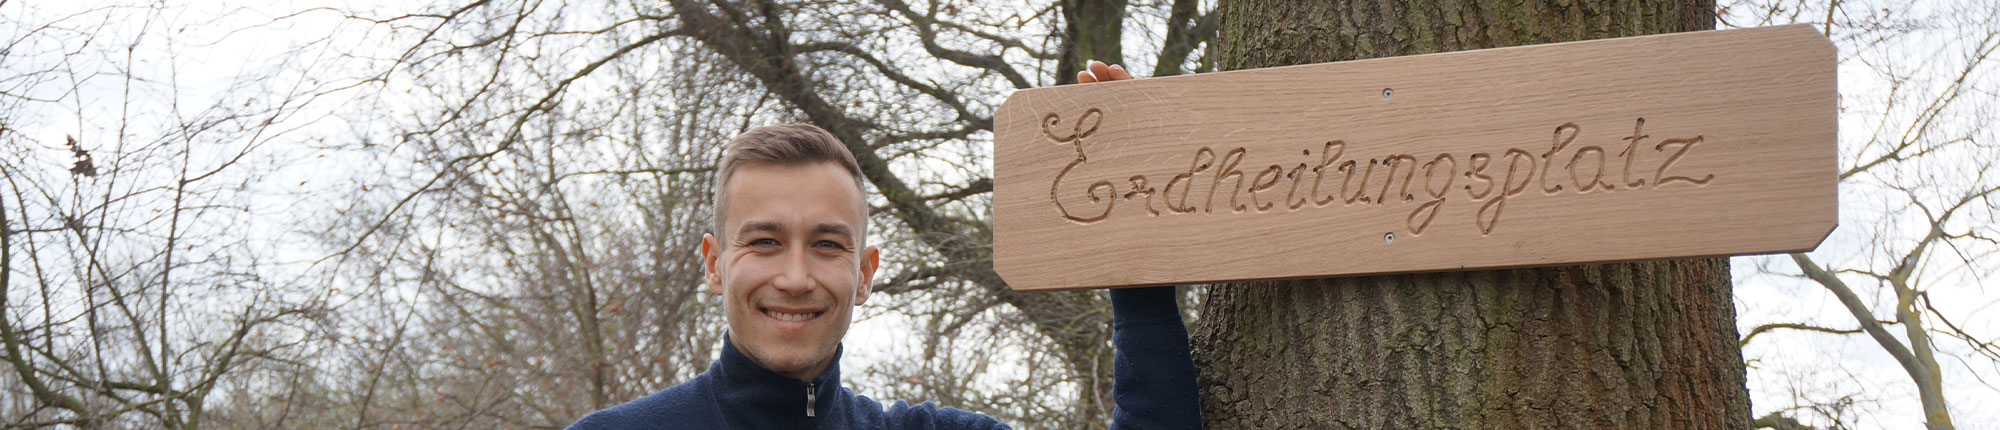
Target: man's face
(791, 271)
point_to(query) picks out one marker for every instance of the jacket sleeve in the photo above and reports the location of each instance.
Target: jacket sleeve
(1154, 382)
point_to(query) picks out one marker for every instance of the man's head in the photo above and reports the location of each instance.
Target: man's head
(789, 253)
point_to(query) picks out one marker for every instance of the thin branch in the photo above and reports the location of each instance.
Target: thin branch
(546, 103)
(649, 170)
(928, 36)
(1761, 329)
(1894, 347)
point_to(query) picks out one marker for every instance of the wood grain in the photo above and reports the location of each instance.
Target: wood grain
(1690, 144)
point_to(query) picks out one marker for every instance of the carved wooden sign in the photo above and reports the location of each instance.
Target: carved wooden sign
(1690, 144)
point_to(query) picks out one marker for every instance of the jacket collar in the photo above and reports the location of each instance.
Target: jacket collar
(751, 396)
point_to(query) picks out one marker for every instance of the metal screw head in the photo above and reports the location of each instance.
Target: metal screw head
(1388, 92)
(1388, 238)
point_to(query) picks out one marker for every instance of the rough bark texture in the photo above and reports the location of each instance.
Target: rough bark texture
(1629, 345)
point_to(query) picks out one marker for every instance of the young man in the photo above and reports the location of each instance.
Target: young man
(790, 257)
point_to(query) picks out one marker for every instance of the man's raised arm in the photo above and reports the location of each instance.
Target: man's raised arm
(1154, 386)
(1154, 382)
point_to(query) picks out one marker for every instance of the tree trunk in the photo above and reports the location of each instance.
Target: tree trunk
(1626, 345)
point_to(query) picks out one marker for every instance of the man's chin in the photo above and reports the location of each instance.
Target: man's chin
(796, 365)
(791, 349)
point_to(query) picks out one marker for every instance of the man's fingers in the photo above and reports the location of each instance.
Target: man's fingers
(1097, 71)
(1118, 73)
(1100, 70)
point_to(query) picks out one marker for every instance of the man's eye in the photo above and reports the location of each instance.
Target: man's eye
(763, 242)
(828, 244)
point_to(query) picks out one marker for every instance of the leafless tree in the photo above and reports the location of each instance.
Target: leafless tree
(136, 285)
(1919, 183)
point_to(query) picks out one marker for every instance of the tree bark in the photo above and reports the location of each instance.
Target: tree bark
(1625, 345)
(1092, 30)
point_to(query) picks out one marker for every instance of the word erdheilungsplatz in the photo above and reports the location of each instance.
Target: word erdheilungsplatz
(1490, 179)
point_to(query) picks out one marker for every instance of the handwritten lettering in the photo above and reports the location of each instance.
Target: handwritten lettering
(1075, 139)
(1567, 166)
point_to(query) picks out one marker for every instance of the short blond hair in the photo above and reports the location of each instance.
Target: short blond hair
(781, 145)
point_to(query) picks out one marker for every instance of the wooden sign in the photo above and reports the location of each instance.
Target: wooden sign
(1690, 144)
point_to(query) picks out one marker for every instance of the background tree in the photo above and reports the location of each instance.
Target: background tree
(1640, 345)
(549, 278)
(1902, 274)
(135, 285)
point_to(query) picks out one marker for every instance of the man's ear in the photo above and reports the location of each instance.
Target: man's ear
(869, 259)
(710, 252)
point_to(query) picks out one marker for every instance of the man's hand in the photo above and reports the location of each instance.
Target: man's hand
(1099, 72)
(1153, 385)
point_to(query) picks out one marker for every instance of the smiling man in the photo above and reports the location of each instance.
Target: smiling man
(792, 261)
(789, 255)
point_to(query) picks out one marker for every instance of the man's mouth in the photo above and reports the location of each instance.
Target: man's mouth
(792, 316)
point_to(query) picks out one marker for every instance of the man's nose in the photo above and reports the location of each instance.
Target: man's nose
(794, 278)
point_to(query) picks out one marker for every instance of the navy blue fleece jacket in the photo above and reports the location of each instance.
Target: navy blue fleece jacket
(1154, 388)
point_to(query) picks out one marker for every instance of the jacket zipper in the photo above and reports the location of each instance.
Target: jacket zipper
(812, 396)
